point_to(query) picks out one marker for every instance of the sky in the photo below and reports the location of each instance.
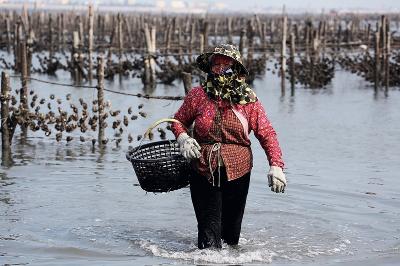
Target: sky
(291, 5)
(316, 4)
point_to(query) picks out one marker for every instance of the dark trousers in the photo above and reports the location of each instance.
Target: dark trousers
(219, 210)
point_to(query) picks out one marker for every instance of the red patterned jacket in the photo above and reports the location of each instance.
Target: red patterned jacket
(199, 108)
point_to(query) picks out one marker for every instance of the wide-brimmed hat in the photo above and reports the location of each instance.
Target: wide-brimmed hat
(229, 50)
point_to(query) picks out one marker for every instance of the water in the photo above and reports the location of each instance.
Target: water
(70, 204)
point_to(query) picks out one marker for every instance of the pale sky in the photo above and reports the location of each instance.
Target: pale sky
(315, 4)
(296, 5)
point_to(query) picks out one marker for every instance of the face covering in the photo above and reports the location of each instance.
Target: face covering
(229, 86)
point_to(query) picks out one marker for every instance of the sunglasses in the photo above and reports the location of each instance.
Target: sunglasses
(222, 69)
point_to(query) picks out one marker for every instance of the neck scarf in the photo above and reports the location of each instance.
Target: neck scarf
(227, 87)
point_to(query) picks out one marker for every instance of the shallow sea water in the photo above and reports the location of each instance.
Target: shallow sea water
(71, 204)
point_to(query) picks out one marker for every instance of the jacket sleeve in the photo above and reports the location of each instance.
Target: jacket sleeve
(186, 113)
(265, 134)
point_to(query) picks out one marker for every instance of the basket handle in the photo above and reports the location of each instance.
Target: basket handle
(146, 134)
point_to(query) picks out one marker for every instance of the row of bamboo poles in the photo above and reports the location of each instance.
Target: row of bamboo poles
(26, 112)
(12, 116)
(162, 47)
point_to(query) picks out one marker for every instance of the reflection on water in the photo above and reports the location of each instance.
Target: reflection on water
(73, 203)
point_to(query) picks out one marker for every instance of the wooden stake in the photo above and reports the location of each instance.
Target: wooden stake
(283, 49)
(100, 98)
(62, 32)
(187, 81)
(242, 41)
(17, 40)
(90, 42)
(180, 52)
(387, 62)
(6, 134)
(50, 39)
(120, 42)
(201, 47)
(229, 29)
(205, 34)
(24, 77)
(24, 90)
(292, 58)
(8, 33)
(377, 60)
(191, 42)
(150, 71)
(75, 55)
(250, 37)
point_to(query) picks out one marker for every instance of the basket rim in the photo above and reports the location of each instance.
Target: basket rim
(137, 148)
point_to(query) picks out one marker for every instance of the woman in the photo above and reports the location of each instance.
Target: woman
(224, 109)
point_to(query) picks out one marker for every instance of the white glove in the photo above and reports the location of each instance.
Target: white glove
(188, 146)
(276, 179)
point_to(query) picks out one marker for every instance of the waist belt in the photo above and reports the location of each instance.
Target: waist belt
(216, 147)
(213, 142)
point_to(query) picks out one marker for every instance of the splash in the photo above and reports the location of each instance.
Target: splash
(226, 255)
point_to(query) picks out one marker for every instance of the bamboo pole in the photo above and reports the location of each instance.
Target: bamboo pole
(201, 47)
(292, 57)
(205, 34)
(307, 40)
(387, 62)
(272, 30)
(128, 29)
(250, 37)
(50, 39)
(120, 42)
(29, 49)
(168, 39)
(24, 107)
(24, 17)
(6, 134)
(229, 29)
(24, 77)
(59, 32)
(100, 98)
(323, 37)
(153, 51)
(62, 32)
(17, 40)
(187, 81)
(367, 35)
(283, 50)
(75, 55)
(339, 38)
(90, 42)
(8, 30)
(377, 60)
(216, 23)
(80, 30)
(149, 60)
(180, 52)
(191, 41)
(242, 42)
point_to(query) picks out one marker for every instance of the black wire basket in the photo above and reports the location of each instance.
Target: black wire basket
(159, 166)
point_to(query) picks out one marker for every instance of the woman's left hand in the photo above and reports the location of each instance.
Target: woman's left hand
(276, 179)
(188, 147)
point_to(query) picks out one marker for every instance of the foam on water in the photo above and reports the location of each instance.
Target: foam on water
(227, 254)
(251, 249)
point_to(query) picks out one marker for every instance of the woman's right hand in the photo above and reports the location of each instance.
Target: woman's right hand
(188, 146)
